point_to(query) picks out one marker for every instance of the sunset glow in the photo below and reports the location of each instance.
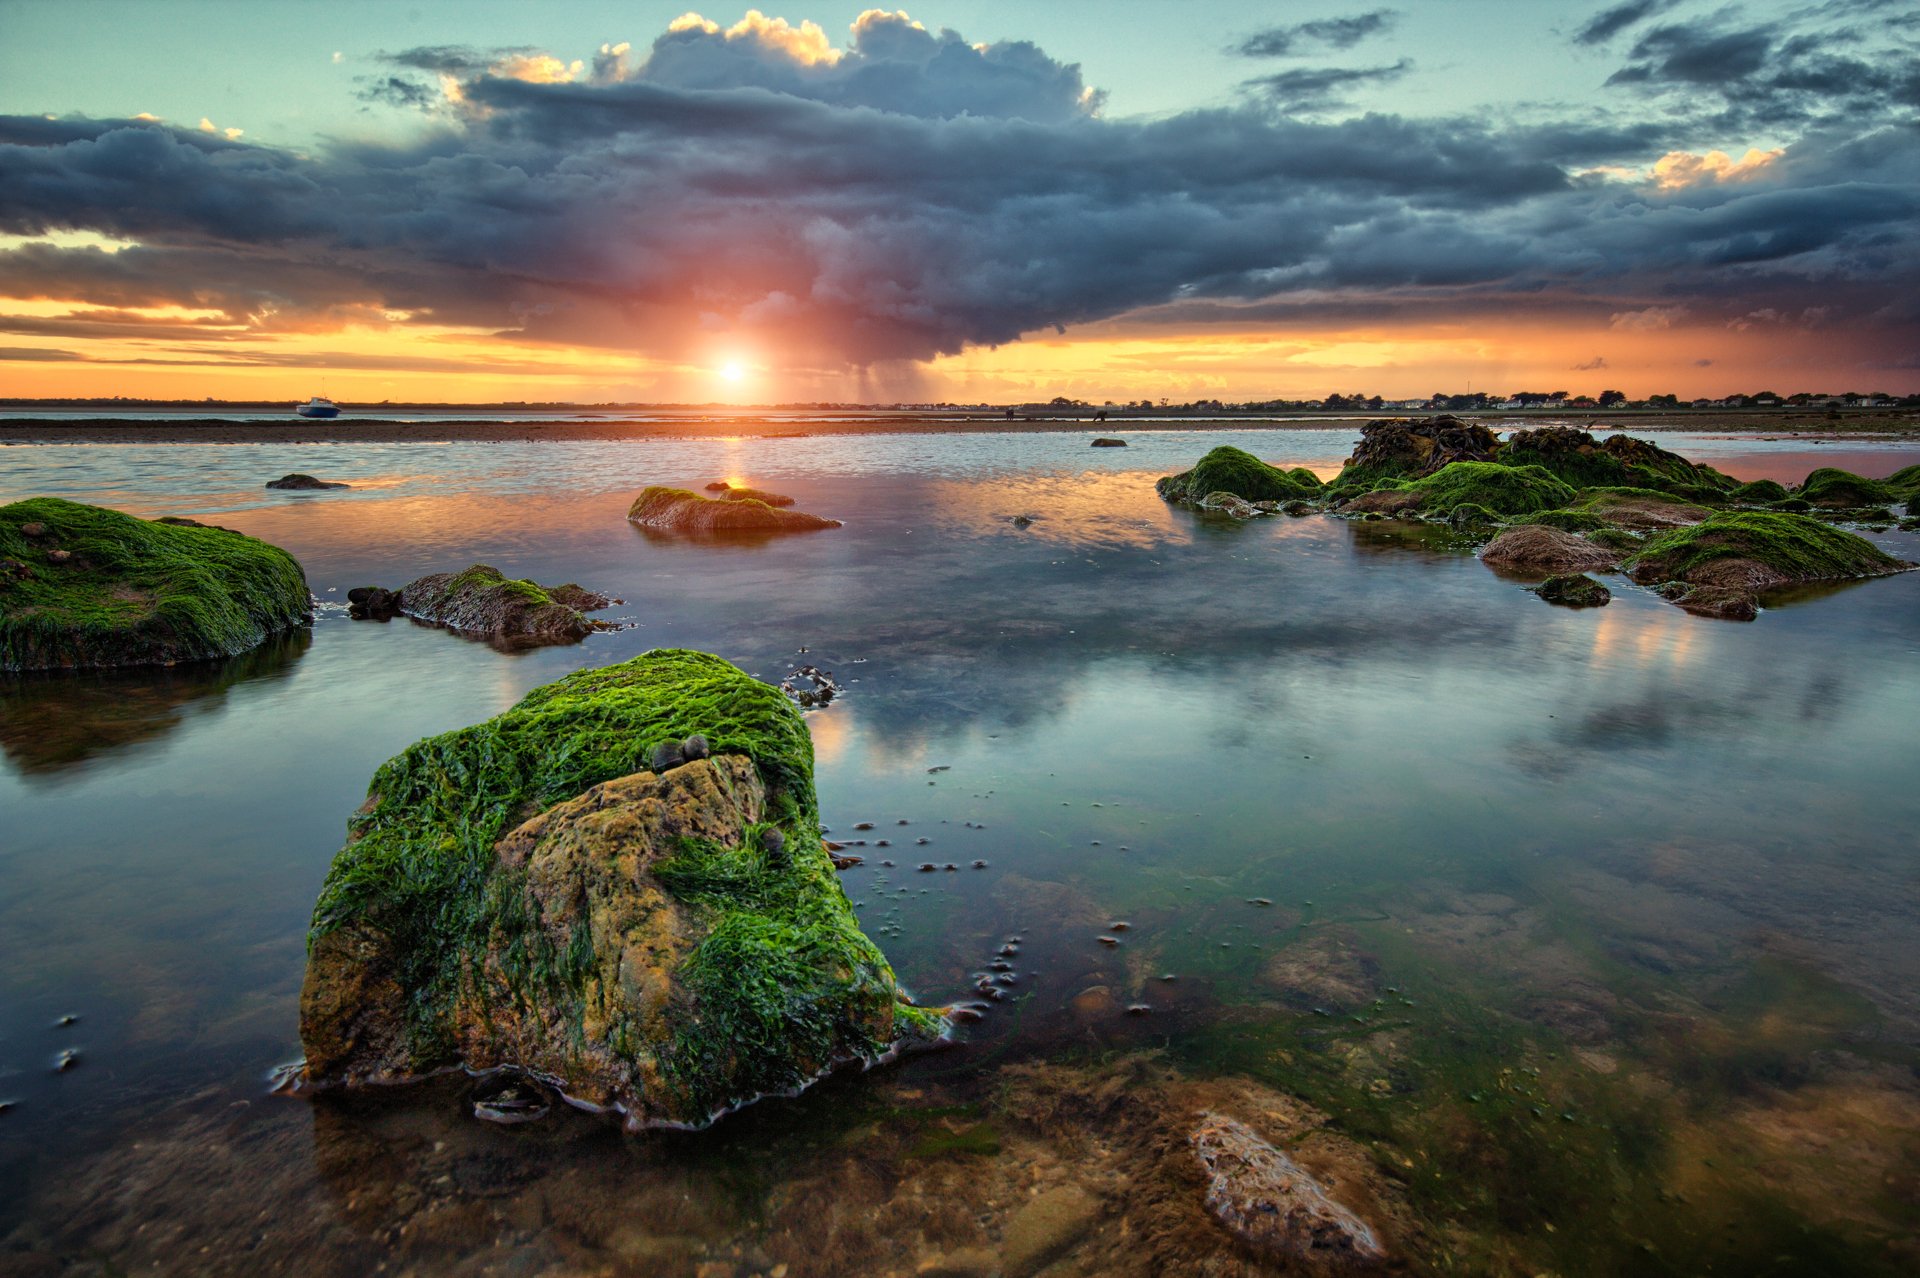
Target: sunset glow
(472, 219)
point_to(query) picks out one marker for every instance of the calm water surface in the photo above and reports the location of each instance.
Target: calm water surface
(1596, 933)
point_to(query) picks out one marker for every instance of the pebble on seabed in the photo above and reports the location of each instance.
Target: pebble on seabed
(979, 865)
(68, 1019)
(65, 1061)
(1119, 925)
(1139, 1009)
(1108, 940)
(864, 825)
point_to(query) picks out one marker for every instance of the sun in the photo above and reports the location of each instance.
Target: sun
(732, 372)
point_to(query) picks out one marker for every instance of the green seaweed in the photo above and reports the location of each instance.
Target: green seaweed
(98, 588)
(1760, 492)
(1232, 470)
(1842, 489)
(1510, 490)
(1797, 546)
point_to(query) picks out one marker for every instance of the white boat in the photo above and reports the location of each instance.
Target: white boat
(318, 406)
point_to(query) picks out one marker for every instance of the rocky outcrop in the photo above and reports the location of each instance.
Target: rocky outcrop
(675, 510)
(1400, 449)
(297, 482)
(1237, 473)
(1619, 461)
(82, 587)
(527, 894)
(1537, 548)
(482, 602)
(1705, 568)
(1573, 590)
(1273, 1206)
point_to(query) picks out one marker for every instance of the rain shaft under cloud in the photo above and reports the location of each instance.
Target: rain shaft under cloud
(912, 195)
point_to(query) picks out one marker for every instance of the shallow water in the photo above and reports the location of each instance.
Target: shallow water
(1650, 875)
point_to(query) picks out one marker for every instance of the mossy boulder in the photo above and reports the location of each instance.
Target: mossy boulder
(1906, 483)
(1238, 473)
(1573, 590)
(1755, 550)
(675, 510)
(1760, 492)
(1835, 489)
(1510, 490)
(1619, 461)
(527, 894)
(1641, 509)
(481, 601)
(1400, 449)
(82, 587)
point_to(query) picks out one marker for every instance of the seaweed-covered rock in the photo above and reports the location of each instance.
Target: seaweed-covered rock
(1393, 500)
(1753, 550)
(1843, 490)
(1652, 466)
(1641, 509)
(675, 510)
(1575, 590)
(1273, 1206)
(730, 493)
(298, 482)
(1538, 548)
(1569, 454)
(481, 601)
(524, 894)
(1573, 521)
(1238, 473)
(1760, 492)
(84, 587)
(1723, 603)
(1510, 490)
(1400, 449)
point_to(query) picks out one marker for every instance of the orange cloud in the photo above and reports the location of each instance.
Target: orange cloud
(1678, 169)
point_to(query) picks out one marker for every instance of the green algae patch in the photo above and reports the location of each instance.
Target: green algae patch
(1510, 490)
(1232, 470)
(1837, 489)
(523, 893)
(83, 587)
(482, 601)
(1761, 492)
(1754, 550)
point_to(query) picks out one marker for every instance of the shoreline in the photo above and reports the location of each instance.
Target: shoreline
(349, 430)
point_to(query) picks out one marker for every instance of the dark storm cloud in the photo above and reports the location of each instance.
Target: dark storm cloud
(1322, 88)
(1608, 23)
(916, 195)
(1328, 33)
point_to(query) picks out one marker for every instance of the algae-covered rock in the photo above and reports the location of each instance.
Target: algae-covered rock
(730, 493)
(1273, 1206)
(1399, 449)
(298, 482)
(1510, 490)
(1754, 550)
(1573, 521)
(1640, 509)
(1538, 548)
(1574, 590)
(1760, 492)
(82, 587)
(525, 893)
(481, 601)
(675, 510)
(1237, 473)
(1836, 489)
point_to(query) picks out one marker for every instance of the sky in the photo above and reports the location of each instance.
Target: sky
(963, 201)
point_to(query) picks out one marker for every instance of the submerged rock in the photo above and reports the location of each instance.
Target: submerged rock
(1228, 504)
(1272, 1205)
(1109, 443)
(372, 603)
(84, 587)
(297, 482)
(1237, 473)
(1575, 590)
(676, 510)
(481, 601)
(522, 895)
(1536, 547)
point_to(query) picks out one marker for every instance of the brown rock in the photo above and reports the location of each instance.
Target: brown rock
(674, 510)
(1273, 1206)
(1415, 448)
(1535, 547)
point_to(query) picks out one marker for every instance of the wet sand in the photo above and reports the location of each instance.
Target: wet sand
(351, 429)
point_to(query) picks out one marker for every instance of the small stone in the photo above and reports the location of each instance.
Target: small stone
(68, 1019)
(695, 747)
(864, 825)
(667, 756)
(1119, 926)
(65, 1061)
(1274, 1206)
(883, 843)
(1108, 940)
(922, 841)
(34, 529)
(979, 865)
(926, 866)
(949, 866)
(774, 843)
(58, 556)
(1138, 1009)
